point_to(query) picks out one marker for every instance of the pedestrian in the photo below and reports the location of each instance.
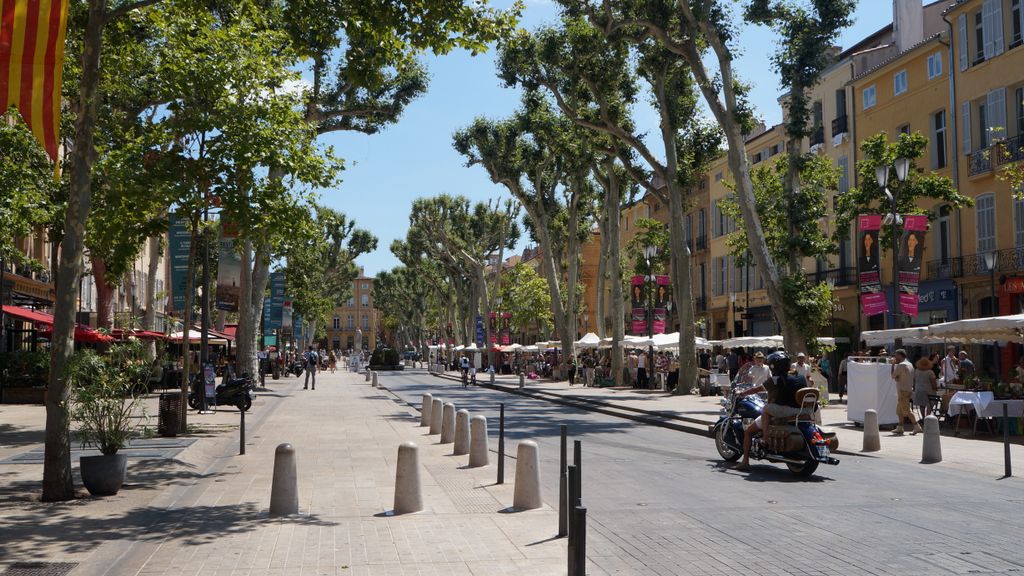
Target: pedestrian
(903, 373)
(826, 370)
(950, 367)
(312, 361)
(843, 376)
(722, 364)
(924, 386)
(936, 361)
(966, 372)
(734, 364)
(1019, 370)
(802, 368)
(641, 370)
(572, 371)
(332, 361)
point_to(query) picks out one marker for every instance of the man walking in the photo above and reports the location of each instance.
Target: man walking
(903, 374)
(312, 361)
(950, 367)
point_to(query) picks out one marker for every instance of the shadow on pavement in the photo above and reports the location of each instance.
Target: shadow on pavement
(15, 436)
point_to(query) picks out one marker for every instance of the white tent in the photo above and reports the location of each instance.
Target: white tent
(918, 336)
(195, 336)
(590, 340)
(471, 348)
(531, 348)
(511, 347)
(765, 342)
(981, 330)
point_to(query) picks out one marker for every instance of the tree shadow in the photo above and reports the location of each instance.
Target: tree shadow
(15, 436)
(36, 530)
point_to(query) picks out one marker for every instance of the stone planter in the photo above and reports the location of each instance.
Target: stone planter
(103, 475)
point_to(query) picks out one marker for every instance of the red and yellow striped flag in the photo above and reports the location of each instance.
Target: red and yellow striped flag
(32, 64)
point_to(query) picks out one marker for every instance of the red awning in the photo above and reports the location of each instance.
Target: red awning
(83, 334)
(230, 330)
(217, 334)
(29, 315)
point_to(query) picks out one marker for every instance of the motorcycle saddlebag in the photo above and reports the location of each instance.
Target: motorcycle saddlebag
(784, 438)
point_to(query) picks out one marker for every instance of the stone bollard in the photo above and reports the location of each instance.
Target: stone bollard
(492, 377)
(871, 441)
(367, 375)
(436, 406)
(408, 495)
(284, 491)
(931, 450)
(522, 380)
(478, 452)
(527, 488)
(448, 423)
(461, 433)
(374, 378)
(428, 399)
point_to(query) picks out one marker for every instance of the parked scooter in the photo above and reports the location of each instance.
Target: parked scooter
(799, 442)
(295, 368)
(236, 392)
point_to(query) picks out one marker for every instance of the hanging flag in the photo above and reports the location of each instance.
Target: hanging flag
(638, 299)
(661, 300)
(32, 64)
(229, 269)
(911, 252)
(872, 299)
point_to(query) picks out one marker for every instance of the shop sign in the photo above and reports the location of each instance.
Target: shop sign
(1014, 285)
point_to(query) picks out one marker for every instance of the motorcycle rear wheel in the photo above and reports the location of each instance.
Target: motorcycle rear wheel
(245, 404)
(804, 470)
(724, 450)
(193, 402)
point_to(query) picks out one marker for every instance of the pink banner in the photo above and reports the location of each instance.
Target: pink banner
(872, 299)
(911, 258)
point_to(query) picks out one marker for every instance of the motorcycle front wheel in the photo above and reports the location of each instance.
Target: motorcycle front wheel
(727, 452)
(804, 470)
(245, 404)
(193, 402)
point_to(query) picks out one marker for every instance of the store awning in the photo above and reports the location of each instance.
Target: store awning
(29, 315)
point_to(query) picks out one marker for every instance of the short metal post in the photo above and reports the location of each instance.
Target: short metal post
(571, 548)
(580, 546)
(501, 445)
(1006, 443)
(241, 432)
(570, 498)
(563, 481)
(578, 488)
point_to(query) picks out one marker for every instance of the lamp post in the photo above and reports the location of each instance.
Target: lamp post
(650, 251)
(992, 261)
(882, 172)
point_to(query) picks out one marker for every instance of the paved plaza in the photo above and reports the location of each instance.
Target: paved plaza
(659, 501)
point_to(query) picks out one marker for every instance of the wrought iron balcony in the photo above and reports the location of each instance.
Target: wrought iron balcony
(818, 136)
(1007, 260)
(841, 276)
(839, 125)
(1002, 152)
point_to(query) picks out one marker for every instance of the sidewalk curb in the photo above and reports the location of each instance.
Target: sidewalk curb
(661, 420)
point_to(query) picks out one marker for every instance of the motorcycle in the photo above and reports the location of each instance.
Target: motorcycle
(295, 368)
(799, 443)
(236, 392)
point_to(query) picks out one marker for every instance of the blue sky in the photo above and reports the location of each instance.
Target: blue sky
(414, 158)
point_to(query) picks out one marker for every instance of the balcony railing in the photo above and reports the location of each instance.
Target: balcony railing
(839, 125)
(1007, 260)
(841, 276)
(1002, 152)
(818, 136)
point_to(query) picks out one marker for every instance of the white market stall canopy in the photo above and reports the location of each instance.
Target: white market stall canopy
(195, 336)
(511, 348)
(765, 342)
(980, 330)
(658, 341)
(912, 336)
(590, 340)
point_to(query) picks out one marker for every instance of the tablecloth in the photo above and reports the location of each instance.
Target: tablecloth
(984, 404)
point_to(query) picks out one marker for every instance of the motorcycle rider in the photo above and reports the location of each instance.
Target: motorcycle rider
(781, 388)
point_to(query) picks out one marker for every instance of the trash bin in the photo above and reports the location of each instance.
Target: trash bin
(169, 417)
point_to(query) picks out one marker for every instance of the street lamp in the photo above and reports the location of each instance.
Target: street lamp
(992, 262)
(902, 166)
(650, 251)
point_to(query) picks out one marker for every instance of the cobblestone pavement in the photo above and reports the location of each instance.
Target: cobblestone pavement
(214, 522)
(661, 502)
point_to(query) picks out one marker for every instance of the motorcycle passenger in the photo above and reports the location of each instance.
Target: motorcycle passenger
(781, 388)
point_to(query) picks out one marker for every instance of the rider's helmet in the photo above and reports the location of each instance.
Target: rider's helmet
(779, 362)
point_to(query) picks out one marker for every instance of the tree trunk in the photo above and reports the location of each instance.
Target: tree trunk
(104, 294)
(57, 483)
(246, 335)
(551, 273)
(186, 341)
(611, 206)
(602, 272)
(149, 317)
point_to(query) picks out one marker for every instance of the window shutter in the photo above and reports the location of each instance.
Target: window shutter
(986, 29)
(965, 113)
(996, 110)
(996, 24)
(965, 49)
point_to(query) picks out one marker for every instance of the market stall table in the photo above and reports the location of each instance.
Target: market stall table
(982, 405)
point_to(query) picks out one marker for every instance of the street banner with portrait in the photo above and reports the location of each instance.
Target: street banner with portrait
(661, 300)
(638, 298)
(872, 299)
(229, 268)
(911, 251)
(492, 323)
(506, 328)
(479, 331)
(179, 241)
(286, 315)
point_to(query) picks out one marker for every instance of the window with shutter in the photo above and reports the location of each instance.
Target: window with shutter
(995, 31)
(965, 117)
(995, 114)
(965, 49)
(985, 209)
(844, 174)
(1018, 222)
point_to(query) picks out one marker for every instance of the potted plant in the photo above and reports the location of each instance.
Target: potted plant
(106, 406)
